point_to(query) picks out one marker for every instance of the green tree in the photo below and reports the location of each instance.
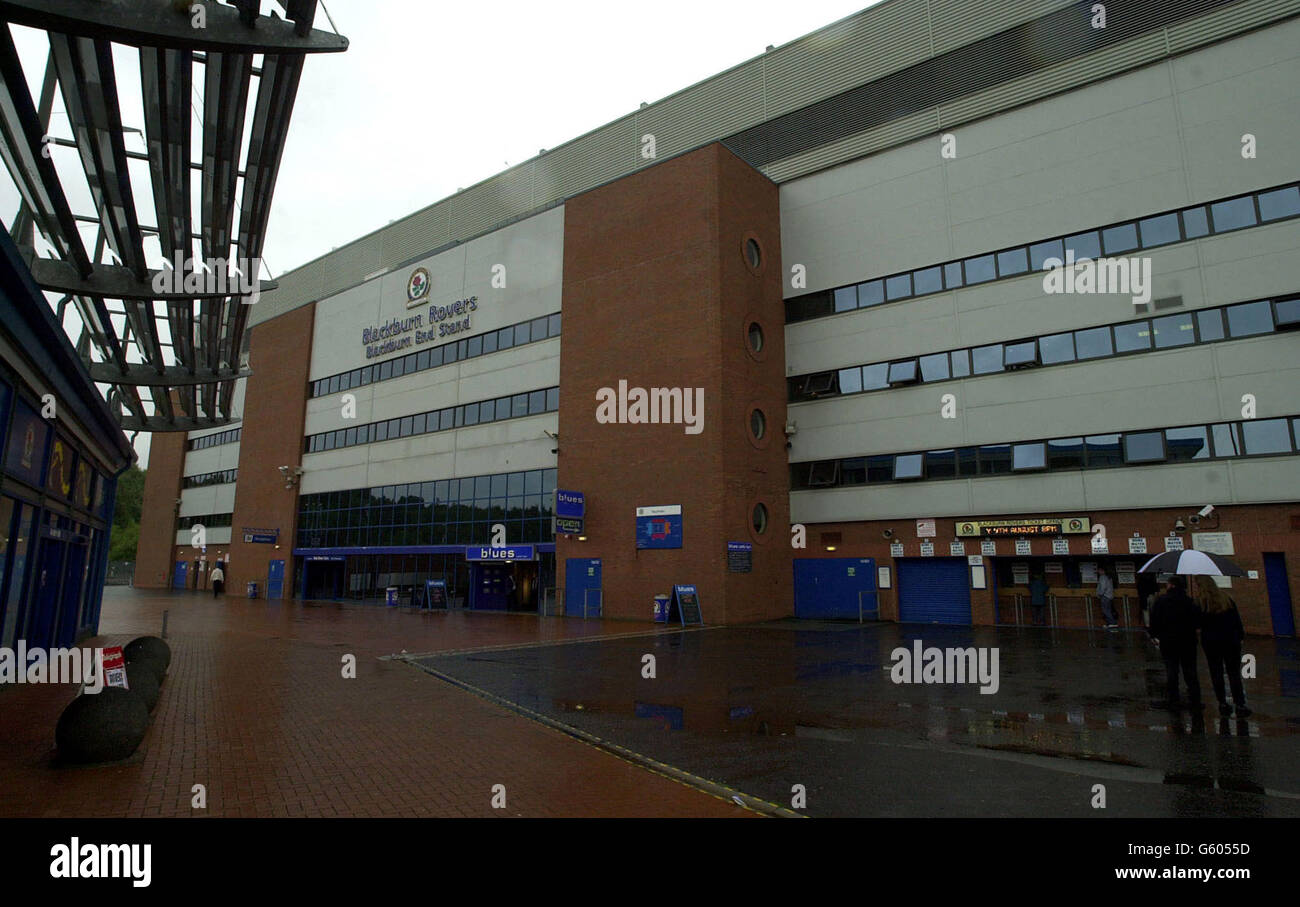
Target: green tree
(126, 515)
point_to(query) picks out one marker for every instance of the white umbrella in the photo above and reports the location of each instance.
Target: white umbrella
(1192, 563)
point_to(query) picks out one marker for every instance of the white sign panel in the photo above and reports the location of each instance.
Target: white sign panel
(925, 529)
(974, 560)
(1173, 543)
(1213, 542)
(1137, 545)
(1055, 567)
(957, 549)
(1124, 572)
(1023, 546)
(927, 549)
(1060, 546)
(1020, 574)
(1088, 572)
(896, 549)
(988, 548)
(1100, 544)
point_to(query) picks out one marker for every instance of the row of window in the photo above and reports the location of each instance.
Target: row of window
(222, 437)
(221, 477)
(1263, 207)
(208, 521)
(444, 512)
(529, 403)
(1245, 319)
(1248, 438)
(494, 341)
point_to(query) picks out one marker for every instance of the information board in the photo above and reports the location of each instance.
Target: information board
(740, 557)
(659, 527)
(686, 604)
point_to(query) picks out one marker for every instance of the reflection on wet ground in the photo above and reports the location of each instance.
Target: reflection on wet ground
(764, 708)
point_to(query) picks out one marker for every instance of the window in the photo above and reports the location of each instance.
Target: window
(447, 418)
(908, 466)
(871, 293)
(941, 464)
(1103, 450)
(471, 413)
(820, 385)
(475, 347)
(407, 424)
(1133, 336)
(960, 363)
(1210, 323)
(850, 380)
(518, 405)
(987, 359)
(898, 287)
(1279, 203)
(1084, 245)
(880, 468)
(980, 269)
(536, 402)
(760, 518)
(902, 372)
(1174, 330)
(967, 461)
(928, 280)
(952, 275)
(934, 367)
(875, 376)
(823, 473)
(1039, 253)
(1249, 318)
(753, 255)
(1065, 453)
(350, 437)
(1122, 238)
(506, 338)
(853, 471)
(1266, 436)
(755, 336)
(381, 431)
(994, 459)
(1160, 230)
(1021, 354)
(846, 299)
(487, 411)
(1144, 447)
(1195, 222)
(553, 325)
(1288, 313)
(1013, 261)
(1233, 214)
(552, 399)
(1183, 444)
(1093, 343)
(538, 329)
(1026, 457)
(1056, 348)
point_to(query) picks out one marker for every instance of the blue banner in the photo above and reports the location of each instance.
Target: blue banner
(505, 553)
(570, 504)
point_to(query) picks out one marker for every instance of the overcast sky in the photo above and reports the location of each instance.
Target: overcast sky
(432, 96)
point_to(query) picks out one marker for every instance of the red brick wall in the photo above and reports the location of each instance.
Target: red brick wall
(1255, 528)
(275, 404)
(657, 292)
(162, 486)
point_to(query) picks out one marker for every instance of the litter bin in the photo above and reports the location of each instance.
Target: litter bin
(252, 590)
(661, 608)
(390, 596)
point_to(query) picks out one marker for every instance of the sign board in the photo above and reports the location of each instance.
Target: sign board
(974, 560)
(686, 601)
(261, 536)
(1173, 543)
(978, 577)
(570, 504)
(988, 548)
(1088, 571)
(740, 557)
(1074, 525)
(565, 525)
(1054, 567)
(896, 549)
(1060, 546)
(1125, 573)
(1023, 547)
(957, 549)
(505, 554)
(659, 527)
(1020, 574)
(1137, 545)
(883, 578)
(435, 593)
(1213, 542)
(1100, 545)
(927, 549)
(925, 529)
(113, 667)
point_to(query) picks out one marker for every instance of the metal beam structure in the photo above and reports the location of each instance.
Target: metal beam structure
(172, 355)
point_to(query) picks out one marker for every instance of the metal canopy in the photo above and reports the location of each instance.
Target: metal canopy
(168, 340)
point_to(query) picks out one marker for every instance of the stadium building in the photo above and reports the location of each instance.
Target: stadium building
(878, 324)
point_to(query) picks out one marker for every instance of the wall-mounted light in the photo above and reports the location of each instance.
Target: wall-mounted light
(830, 547)
(582, 538)
(1179, 527)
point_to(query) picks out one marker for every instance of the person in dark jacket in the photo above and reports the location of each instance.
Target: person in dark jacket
(1038, 598)
(1174, 619)
(1221, 638)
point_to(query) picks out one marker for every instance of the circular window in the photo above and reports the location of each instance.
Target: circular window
(753, 254)
(760, 518)
(755, 335)
(757, 424)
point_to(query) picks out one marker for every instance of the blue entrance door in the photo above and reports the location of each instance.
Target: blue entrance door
(275, 580)
(835, 588)
(74, 571)
(582, 589)
(490, 587)
(179, 577)
(41, 625)
(1279, 594)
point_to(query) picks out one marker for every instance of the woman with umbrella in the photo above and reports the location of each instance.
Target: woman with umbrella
(1175, 618)
(1221, 638)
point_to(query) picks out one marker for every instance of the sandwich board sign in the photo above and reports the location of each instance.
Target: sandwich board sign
(686, 605)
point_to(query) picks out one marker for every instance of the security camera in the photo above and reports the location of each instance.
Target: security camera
(1194, 519)
(888, 533)
(1206, 510)
(790, 428)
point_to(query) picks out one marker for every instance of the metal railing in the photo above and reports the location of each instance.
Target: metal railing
(1078, 607)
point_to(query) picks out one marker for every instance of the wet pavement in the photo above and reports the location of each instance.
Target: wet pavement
(764, 708)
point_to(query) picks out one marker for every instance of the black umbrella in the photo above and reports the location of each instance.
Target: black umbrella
(1192, 563)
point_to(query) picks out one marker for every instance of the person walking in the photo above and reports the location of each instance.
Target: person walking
(1106, 595)
(1174, 619)
(1221, 638)
(218, 580)
(1038, 599)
